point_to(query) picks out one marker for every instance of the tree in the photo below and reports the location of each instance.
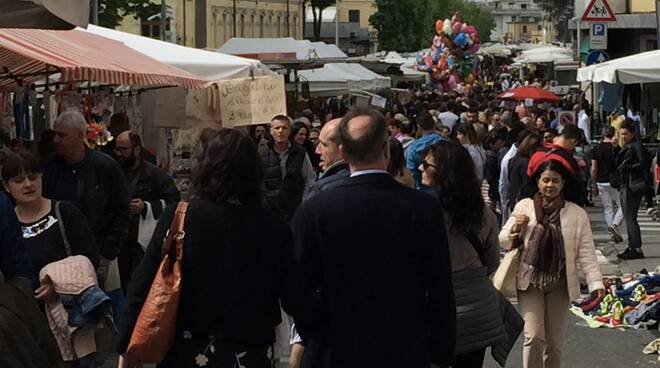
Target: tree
(317, 7)
(471, 12)
(111, 12)
(402, 25)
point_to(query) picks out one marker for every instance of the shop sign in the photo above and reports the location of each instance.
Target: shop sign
(251, 101)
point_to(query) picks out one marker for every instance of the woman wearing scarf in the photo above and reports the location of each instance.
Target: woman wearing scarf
(555, 238)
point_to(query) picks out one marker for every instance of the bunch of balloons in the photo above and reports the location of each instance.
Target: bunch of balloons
(452, 58)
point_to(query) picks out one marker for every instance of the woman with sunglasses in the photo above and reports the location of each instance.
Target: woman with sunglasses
(472, 235)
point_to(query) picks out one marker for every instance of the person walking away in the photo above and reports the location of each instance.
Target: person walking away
(415, 153)
(472, 233)
(287, 168)
(447, 115)
(397, 166)
(518, 178)
(633, 166)
(514, 136)
(151, 191)
(492, 144)
(233, 277)
(407, 130)
(603, 176)
(555, 240)
(91, 181)
(372, 235)
(467, 136)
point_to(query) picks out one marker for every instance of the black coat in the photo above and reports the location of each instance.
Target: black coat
(375, 256)
(334, 176)
(102, 195)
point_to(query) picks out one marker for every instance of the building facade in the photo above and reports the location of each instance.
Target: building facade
(520, 21)
(210, 23)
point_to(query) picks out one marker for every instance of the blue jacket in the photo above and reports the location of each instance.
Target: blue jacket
(414, 155)
(334, 176)
(14, 259)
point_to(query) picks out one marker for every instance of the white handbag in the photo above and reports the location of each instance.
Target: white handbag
(505, 278)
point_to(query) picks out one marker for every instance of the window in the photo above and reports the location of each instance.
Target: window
(539, 28)
(524, 29)
(354, 16)
(242, 25)
(261, 26)
(523, 6)
(512, 5)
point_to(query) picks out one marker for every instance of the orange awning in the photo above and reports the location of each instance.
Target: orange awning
(31, 54)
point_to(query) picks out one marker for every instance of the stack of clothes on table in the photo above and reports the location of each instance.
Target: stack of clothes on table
(632, 302)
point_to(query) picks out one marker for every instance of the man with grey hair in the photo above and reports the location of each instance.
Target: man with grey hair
(373, 255)
(335, 169)
(90, 180)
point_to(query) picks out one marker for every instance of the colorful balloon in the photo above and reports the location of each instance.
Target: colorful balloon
(439, 26)
(446, 28)
(456, 28)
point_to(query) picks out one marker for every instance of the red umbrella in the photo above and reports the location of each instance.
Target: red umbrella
(535, 93)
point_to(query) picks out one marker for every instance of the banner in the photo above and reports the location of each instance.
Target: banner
(251, 101)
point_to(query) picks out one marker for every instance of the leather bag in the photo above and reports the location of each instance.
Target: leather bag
(505, 278)
(154, 331)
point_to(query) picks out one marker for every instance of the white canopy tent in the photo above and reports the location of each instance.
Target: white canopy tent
(304, 49)
(340, 78)
(213, 66)
(638, 68)
(546, 54)
(44, 14)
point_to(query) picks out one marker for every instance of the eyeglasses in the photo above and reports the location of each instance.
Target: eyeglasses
(426, 165)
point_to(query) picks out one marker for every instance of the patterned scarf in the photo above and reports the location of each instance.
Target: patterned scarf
(543, 258)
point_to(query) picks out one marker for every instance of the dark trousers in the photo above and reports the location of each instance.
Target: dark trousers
(630, 204)
(128, 260)
(473, 359)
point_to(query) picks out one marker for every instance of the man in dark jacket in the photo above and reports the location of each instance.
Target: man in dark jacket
(151, 191)
(375, 263)
(335, 170)
(287, 169)
(92, 181)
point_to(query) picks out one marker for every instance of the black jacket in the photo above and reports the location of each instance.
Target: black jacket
(14, 258)
(151, 185)
(375, 260)
(634, 163)
(233, 276)
(334, 176)
(101, 194)
(283, 193)
(518, 179)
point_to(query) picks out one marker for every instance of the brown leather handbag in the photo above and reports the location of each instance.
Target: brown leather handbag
(154, 330)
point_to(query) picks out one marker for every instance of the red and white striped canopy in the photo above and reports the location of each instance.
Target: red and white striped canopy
(29, 55)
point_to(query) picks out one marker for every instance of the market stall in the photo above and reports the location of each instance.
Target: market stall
(45, 14)
(340, 78)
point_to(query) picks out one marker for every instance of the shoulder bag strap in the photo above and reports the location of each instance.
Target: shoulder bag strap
(60, 223)
(476, 244)
(176, 233)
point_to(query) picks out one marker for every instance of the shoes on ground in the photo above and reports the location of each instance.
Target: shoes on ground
(631, 253)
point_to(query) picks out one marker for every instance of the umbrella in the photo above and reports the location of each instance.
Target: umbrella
(524, 93)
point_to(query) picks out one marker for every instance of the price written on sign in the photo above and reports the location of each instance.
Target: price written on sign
(251, 101)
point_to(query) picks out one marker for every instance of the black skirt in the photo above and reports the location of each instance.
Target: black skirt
(216, 352)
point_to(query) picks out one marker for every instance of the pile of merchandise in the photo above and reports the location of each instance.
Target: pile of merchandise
(452, 57)
(629, 302)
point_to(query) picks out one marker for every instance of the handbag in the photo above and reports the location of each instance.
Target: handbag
(505, 278)
(637, 186)
(153, 334)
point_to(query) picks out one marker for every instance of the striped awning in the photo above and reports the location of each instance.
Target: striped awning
(29, 55)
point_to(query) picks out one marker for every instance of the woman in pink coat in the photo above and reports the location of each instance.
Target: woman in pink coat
(555, 238)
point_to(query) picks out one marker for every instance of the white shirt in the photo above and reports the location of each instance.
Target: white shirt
(504, 176)
(448, 119)
(584, 124)
(368, 172)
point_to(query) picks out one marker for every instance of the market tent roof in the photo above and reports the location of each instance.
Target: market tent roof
(211, 65)
(44, 14)
(31, 54)
(340, 78)
(638, 68)
(304, 49)
(534, 93)
(545, 54)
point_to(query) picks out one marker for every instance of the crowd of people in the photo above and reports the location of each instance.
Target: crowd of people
(376, 233)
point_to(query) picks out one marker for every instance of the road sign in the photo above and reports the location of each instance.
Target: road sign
(598, 11)
(566, 118)
(598, 36)
(597, 57)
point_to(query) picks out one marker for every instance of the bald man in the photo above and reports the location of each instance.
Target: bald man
(150, 190)
(335, 169)
(373, 256)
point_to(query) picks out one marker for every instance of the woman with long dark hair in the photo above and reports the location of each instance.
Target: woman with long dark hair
(469, 138)
(300, 135)
(397, 165)
(473, 246)
(555, 239)
(233, 277)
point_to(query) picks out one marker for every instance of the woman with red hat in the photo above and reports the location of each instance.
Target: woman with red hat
(555, 239)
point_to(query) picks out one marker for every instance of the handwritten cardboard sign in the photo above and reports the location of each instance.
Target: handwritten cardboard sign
(251, 101)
